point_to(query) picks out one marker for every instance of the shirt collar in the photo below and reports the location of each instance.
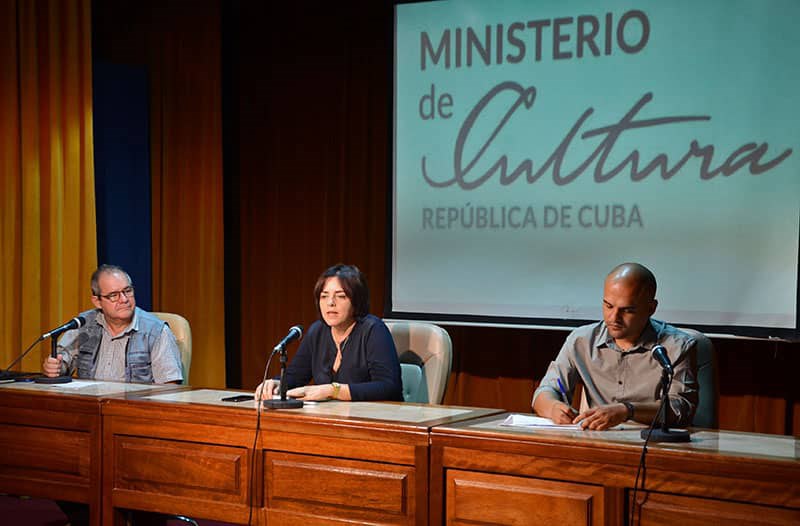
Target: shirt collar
(132, 327)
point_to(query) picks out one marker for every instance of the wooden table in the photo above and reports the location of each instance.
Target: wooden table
(177, 450)
(50, 439)
(483, 471)
(189, 453)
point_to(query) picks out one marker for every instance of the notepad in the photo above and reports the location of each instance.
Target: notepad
(518, 420)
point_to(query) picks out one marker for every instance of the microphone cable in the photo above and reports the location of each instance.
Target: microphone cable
(252, 467)
(642, 469)
(6, 372)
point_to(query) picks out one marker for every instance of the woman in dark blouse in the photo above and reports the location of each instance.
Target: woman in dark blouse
(348, 352)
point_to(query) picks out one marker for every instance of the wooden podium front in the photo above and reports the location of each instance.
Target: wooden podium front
(50, 439)
(189, 453)
(485, 472)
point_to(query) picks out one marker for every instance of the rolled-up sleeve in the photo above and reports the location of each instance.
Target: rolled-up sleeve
(165, 358)
(563, 368)
(68, 349)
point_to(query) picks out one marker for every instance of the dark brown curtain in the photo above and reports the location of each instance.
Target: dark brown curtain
(312, 148)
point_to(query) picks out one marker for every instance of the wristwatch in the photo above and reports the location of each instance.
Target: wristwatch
(630, 409)
(336, 387)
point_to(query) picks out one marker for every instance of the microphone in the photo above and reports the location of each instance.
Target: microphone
(75, 323)
(665, 434)
(660, 354)
(295, 333)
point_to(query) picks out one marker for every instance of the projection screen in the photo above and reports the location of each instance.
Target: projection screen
(537, 144)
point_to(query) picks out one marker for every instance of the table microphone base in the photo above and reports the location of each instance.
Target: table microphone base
(289, 403)
(666, 435)
(53, 380)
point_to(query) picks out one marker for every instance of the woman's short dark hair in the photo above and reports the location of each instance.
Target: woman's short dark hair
(354, 284)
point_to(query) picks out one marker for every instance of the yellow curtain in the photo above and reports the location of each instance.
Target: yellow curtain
(48, 231)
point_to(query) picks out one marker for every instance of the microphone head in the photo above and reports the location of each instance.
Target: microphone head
(660, 353)
(80, 320)
(297, 329)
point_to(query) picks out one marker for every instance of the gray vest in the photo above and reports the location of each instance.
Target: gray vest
(138, 367)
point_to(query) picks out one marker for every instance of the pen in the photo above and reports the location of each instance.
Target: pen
(564, 395)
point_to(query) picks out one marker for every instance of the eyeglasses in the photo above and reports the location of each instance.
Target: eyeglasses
(114, 297)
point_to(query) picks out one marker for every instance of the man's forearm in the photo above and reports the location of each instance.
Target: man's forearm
(543, 403)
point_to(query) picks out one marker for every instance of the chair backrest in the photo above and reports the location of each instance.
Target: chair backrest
(415, 388)
(183, 335)
(428, 372)
(706, 414)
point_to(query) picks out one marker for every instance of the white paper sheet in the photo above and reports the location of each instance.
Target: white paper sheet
(518, 420)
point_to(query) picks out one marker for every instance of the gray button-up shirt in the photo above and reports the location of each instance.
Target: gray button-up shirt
(610, 375)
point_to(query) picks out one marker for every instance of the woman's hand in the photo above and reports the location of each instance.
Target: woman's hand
(312, 392)
(266, 390)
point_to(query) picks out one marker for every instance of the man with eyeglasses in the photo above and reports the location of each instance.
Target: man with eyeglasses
(119, 342)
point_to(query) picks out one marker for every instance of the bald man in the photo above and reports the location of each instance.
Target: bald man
(613, 361)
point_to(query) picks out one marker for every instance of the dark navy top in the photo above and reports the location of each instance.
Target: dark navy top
(369, 361)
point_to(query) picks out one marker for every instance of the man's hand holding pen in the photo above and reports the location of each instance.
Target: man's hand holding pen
(562, 412)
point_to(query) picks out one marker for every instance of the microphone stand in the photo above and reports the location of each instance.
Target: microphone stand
(63, 379)
(283, 403)
(665, 434)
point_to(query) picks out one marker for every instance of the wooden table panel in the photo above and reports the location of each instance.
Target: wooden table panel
(45, 454)
(340, 489)
(50, 446)
(50, 440)
(336, 462)
(181, 468)
(658, 509)
(736, 476)
(474, 498)
(372, 447)
(166, 466)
